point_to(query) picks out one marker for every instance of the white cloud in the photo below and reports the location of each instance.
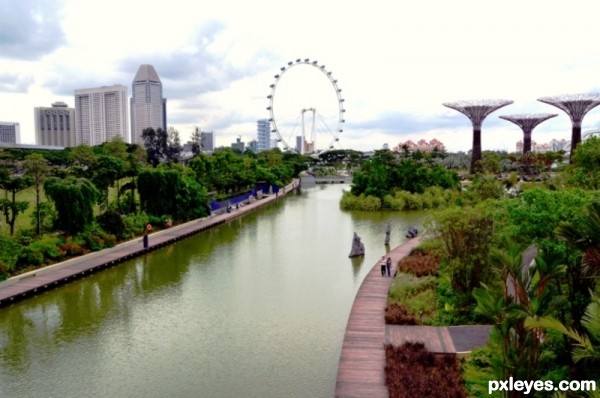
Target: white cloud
(395, 62)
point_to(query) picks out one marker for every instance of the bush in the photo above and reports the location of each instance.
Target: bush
(29, 257)
(112, 222)
(361, 202)
(419, 264)
(412, 371)
(134, 224)
(397, 314)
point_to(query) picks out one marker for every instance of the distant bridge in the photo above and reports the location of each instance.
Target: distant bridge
(333, 180)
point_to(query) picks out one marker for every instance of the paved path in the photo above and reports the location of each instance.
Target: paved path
(362, 360)
(439, 339)
(33, 282)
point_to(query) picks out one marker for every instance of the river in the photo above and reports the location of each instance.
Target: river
(256, 307)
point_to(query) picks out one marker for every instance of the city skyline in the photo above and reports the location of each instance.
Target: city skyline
(396, 67)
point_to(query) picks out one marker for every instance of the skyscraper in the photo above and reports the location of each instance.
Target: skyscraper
(263, 128)
(10, 133)
(55, 126)
(100, 114)
(148, 107)
(207, 142)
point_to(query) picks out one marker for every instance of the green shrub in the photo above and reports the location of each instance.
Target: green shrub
(361, 202)
(134, 224)
(112, 222)
(29, 257)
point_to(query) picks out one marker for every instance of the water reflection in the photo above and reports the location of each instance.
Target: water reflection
(256, 308)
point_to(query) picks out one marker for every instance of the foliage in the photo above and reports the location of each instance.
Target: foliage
(411, 371)
(419, 264)
(73, 199)
(398, 314)
(112, 222)
(165, 191)
(361, 202)
(36, 167)
(134, 224)
(9, 252)
(156, 144)
(527, 291)
(536, 213)
(477, 373)
(584, 170)
(11, 208)
(416, 295)
(483, 188)
(385, 172)
(468, 235)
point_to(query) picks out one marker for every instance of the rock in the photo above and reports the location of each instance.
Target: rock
(358, 248)
(388, 231)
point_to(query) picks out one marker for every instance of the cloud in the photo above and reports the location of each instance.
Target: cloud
(14, 83)
(29, 29)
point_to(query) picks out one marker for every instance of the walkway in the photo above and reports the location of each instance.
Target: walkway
(361, 370)
(33, 282)
(362, 360)
(439, 339)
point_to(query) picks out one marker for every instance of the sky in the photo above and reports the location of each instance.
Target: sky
(395, 62)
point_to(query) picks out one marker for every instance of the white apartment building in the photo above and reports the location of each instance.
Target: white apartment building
(101, 114)
(263, 128)
(10, 133)
(55, 126)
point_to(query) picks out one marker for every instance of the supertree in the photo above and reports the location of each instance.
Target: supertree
(477, 111)
(528, 122)
(576, 106)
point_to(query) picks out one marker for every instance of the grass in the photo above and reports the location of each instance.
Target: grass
(411, 300)
(24, 220)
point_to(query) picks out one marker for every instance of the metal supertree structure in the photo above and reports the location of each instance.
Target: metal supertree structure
(477, 111)
(528, 122)
(576, 106)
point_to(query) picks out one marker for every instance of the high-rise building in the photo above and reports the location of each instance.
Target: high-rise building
(148, 107)
(207, 143)
(10, 133)
(55, 126)
(263, 128)
(100, 114)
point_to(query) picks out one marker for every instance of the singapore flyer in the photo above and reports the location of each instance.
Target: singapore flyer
(306, 108)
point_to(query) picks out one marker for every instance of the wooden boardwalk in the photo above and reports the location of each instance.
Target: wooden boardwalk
(39, 280)
(361, 369)
(362, 360)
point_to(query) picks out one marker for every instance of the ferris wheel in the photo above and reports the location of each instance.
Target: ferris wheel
(306, 108)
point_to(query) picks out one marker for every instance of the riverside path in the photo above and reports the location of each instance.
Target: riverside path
(36, 281)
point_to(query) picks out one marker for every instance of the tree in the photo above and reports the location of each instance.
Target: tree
(82, 158)
(583, 170)
(169, 192)
(196, 138)
(74, 200)
(174, 147)
(526, 293)
(156, 144)
(108, 170)
(11, 207)
(37, 168)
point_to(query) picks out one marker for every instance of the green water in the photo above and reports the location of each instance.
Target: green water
(254, 308)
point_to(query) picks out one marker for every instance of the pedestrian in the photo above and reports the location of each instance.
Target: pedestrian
(388, 266)
(383, 265)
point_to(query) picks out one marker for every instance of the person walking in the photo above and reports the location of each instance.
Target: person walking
(388, 266)
(383, 265)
